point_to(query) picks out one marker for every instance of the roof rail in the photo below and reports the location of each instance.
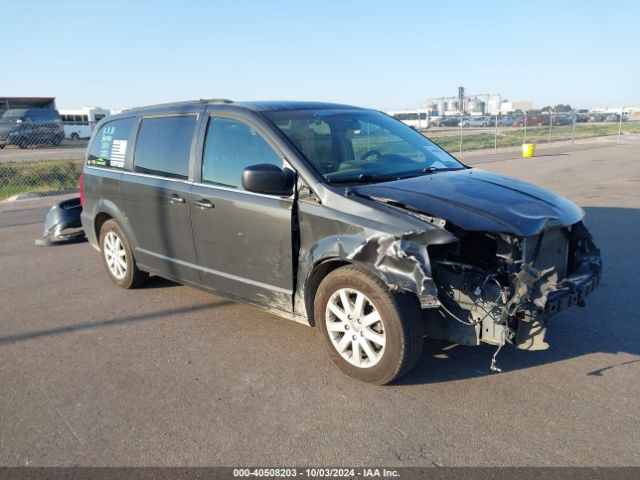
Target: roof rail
(216, 100)
(186, 102)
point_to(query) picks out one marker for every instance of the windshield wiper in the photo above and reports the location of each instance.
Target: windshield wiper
(372, 177)
(436, 169)
(365, 178)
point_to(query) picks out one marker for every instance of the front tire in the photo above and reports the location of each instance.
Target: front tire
(371, 333)
(117, 257)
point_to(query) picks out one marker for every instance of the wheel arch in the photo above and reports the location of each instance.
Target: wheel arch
(106, 210)
(319, 272)
(99, 220)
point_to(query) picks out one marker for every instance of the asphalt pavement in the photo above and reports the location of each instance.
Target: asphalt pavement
(168, 375)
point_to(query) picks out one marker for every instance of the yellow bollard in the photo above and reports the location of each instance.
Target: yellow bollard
(527, 150)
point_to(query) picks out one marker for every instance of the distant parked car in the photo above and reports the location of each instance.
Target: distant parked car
(532, 120)
(480, 121)
(563, 119)
(597, 117)
(507, 120)
(447, 122)
(613, 117)
(31, 126)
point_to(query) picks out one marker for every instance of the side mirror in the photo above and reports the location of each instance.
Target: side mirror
(268, 179)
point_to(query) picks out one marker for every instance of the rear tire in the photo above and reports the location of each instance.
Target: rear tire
(368, 349)
(117, 257)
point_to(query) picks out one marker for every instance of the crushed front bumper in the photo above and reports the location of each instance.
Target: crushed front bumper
(62, 223)
(573, 290)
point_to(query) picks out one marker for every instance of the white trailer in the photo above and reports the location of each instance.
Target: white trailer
(79, 122)
(418, 119)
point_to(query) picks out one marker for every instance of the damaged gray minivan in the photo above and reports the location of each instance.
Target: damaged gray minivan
(338, 217)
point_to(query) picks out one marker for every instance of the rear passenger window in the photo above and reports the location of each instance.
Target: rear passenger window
(109, 146)
(230, 146)
(163, 146)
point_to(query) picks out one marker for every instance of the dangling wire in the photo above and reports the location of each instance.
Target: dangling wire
(492, 304)
(493, 367)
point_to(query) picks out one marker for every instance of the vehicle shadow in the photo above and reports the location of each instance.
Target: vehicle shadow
(610, 322)
(112, 322)
(157, 282)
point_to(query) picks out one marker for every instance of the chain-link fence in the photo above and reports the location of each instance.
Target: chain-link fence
(40, 154)
(40, 151)
(39, 176)
(464, 133)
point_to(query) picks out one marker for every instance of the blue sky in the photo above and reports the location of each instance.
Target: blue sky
(387, 55)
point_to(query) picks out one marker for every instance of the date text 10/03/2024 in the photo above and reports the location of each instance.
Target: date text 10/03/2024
(316, 472)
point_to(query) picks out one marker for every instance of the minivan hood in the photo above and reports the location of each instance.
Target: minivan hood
(476, 200)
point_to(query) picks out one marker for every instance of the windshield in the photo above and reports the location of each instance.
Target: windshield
(361, 145)
(12, 117)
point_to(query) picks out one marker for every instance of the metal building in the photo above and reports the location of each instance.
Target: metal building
(26, 102)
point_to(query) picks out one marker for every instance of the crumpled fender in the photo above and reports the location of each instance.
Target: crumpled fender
(403, 263)
(401, 260)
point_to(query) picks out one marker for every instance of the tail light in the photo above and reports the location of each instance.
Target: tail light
(81, 182)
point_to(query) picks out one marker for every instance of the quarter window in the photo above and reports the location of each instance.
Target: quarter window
(230, 146)
(164, 145)
(109, 146)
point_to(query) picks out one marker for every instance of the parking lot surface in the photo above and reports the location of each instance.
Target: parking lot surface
(168, 375)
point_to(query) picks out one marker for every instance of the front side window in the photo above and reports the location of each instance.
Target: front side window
(231, 146)
(164, 145)
(109, 146)
(360, 145)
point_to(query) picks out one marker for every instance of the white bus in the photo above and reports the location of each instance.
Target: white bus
(79, 122)
(419, 119)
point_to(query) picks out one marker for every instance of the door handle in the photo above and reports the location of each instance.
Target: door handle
(175, 199)
(204, 204)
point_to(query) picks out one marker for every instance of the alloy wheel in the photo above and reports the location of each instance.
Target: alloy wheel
(355, 328)
(115, 255)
